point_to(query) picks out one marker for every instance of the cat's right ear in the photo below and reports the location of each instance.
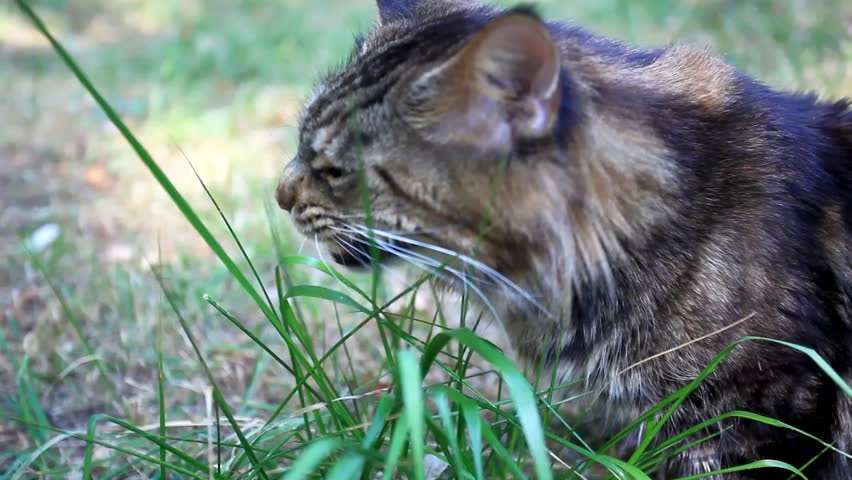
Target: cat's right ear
(502, 86)
(395, 10)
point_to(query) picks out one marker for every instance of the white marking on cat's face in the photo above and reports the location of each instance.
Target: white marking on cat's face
(328, 141)
(320, 139)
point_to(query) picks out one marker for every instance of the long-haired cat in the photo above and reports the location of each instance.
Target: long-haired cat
(607, 204)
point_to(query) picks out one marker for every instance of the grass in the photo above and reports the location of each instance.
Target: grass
(185, 335)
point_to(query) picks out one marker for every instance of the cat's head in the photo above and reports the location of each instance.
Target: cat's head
(443, 122)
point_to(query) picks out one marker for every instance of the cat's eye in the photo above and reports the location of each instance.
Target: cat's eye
(330, 174)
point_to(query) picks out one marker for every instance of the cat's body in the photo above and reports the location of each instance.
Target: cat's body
(628, 201)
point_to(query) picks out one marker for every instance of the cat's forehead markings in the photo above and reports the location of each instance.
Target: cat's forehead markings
(321, 139)
(321, 135)
(317, 136)
(327, 138)
(308, 111)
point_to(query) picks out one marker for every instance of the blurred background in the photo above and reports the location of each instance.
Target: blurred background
(221, 81)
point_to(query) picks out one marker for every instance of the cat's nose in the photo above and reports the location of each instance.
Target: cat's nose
(287, 192)
(285, 195)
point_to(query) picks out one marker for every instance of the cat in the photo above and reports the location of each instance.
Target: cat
(606, 204)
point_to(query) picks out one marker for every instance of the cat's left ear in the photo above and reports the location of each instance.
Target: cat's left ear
(394, 10)
(502, 86)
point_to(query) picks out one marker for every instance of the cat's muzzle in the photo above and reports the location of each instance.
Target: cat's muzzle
(358, 253)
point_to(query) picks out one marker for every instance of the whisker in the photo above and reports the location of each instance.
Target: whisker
(437, 263)
(492, 281)
(436, 266)
(420, 231)
(494, 274)
(405, 255)
(353, 250)
(347, 247)
(422, 261)
(322, 259)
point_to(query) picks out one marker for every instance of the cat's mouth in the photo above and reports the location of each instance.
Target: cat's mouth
(357, 253)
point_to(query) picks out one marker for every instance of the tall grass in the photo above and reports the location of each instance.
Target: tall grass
(344, 427)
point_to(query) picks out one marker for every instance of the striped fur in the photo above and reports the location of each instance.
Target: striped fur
(644, 199)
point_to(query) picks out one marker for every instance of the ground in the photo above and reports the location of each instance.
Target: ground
(219, 84)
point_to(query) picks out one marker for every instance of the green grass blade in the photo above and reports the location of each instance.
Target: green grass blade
(673, 402)
(248, 333)
(289, 314)
(24, 465)
(380, 418)
(473, 421)
(411, 380)
(78, 329)
(520, 390)
(161, 395)
(501, 452)
(341, 416)
(26, 392)
(320, 266)
(455, 453)
(821, 363)
(141, 433)
(676, 399)
(749, 416)
(234, 235)
(616, 464)
(155, 439)
(217, 394)
(149, 162)
(374, 315)
(315, 291)
(91, 430)
(349, 467)
(395, 449)
(761, 464)
(310, 460)
(251, 389)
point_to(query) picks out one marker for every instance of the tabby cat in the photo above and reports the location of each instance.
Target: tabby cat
(606, 204)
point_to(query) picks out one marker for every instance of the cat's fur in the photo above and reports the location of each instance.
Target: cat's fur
(642, 198)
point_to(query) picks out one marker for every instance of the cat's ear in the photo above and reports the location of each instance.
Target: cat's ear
(503, 85)
(393, 10)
